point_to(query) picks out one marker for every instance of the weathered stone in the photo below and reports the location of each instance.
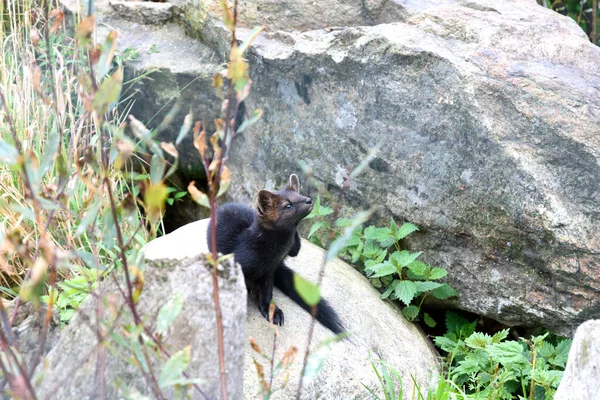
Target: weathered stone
(378, 331)
(489, 125)
(488, 117)
(28, 326)
(303, 15)
(144, 12)
(581, 380)
(75, 363)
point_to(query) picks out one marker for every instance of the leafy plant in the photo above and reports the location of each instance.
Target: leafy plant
(377, 253)
(488, 366)
(391, 385)
(389, 379)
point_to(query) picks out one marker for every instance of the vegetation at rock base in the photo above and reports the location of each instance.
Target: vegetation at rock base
(376, 252)
(477, 365)
(74, 210)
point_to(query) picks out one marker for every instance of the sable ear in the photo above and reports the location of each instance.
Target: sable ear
(294, 183)
(266, 201)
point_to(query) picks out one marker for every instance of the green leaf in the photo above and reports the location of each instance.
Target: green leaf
(250, 38)
(417, 268)
(390, 289)
(185, 127)
(445, 343)
(405, 230)
(106, 56)
(478, 340)
(562, 353)
(381, 269)
(90, 216)
(393, 227)
(507, 353)
(315, 227)
(354, 241)
(168, 312)
(256, 116)
(411, 312)
(308, 291)
(500, 336)
(344, 222)
(174, 367)
(429, 321)
(406, 291)
(227, 16)
(402, 258)
(50, 150)
(426, 286)
(314, 364)
(337, 246)
(545, 350)
(108, 92)
(157, 168)
(316, 207)
(371, 249)
(382, 235)
(8, 153)
(444, 291)
(437, 273)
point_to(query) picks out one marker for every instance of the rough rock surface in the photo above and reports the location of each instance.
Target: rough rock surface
(581, 380)
(378, 330)
(301, 15)
(143, 12)
(170, 268)
(488, 117)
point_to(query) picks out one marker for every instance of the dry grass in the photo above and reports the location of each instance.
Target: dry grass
(44, 92)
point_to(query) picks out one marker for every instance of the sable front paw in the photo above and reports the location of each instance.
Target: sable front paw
(277, 315)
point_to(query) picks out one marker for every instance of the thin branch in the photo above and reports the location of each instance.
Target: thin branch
(595, 21)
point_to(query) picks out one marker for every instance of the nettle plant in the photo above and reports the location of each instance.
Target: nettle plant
(490, 367)
(377, 253)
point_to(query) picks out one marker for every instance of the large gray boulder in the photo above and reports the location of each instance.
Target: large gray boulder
(488, 117)
(581, 380)
(378, 331)
(76, 368)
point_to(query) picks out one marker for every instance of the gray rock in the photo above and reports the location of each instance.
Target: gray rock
(302, 15)
(378, 331)
(489, 121)
(581, 380)
(170, 268)
(489, 118)
(144, 12)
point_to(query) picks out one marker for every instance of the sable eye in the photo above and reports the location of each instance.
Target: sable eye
(288, 206)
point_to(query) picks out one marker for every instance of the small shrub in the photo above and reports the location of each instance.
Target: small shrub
(491, 367)
(377, 253)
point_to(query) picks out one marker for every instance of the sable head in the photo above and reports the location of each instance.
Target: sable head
(285, 208)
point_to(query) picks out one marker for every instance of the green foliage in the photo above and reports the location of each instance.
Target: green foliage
(309, 292)
(377, 253)
(493, 367)
(389, 379)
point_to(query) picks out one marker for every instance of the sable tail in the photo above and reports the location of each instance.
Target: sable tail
(284, 281)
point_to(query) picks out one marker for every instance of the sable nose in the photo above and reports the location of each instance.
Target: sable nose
(308, 201)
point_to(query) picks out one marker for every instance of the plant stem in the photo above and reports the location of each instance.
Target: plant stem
(595, 21)
(215, 279)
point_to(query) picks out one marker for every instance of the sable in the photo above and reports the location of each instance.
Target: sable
(261, 239)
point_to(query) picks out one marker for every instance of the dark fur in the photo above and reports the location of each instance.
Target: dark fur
(262, 239)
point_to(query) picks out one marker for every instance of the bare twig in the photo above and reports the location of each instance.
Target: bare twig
(595, 21)
(213, 185)
(336, 211)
